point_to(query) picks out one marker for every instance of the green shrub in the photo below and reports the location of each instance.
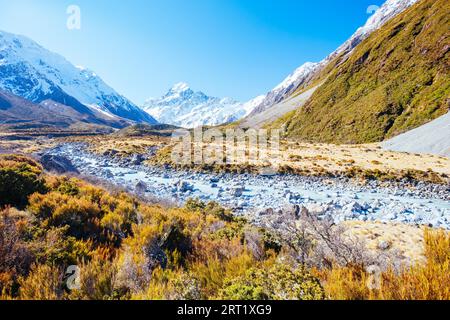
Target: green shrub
(19, 178)
(280, 282)
(43, 283)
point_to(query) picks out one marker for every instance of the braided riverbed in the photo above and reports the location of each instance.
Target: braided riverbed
(251, 195)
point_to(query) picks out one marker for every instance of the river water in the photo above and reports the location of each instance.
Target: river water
(247, 194)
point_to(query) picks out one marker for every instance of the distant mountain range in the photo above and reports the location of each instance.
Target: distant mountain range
(181, 106)
(19, 113)
(32, 72)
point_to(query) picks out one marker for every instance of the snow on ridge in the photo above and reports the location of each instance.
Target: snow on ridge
(25, 63)
(180, 87)
(300, 72)
(387, 11)
(252, 104)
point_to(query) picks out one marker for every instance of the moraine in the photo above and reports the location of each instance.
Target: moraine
(250, 195)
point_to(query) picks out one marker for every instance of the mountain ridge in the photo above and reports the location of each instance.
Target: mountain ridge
(394, 81)
(184, 107)
(303, 76)
(17, 112)
(34, 73)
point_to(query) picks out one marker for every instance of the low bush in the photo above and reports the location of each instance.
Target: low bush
(430, 281)
(128, 249)
(280, 282)
(19, 178)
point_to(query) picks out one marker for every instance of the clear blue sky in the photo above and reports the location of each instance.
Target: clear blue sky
(235, 48)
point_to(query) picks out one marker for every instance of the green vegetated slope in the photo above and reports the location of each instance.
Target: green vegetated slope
(395, 80)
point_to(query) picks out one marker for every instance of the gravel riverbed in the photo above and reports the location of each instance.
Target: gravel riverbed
(251, 195)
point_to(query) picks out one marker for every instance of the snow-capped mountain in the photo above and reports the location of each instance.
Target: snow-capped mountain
(289, 85)
(181, 106)
(386, 12)
(303, 74)
(36, 74)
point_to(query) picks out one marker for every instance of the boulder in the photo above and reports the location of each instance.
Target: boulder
(184, 186)
(237, 192)
(110, 153)
(292, 211)
(214, 180)
(141, 187)
(58, 164)
(109, 174)
(137, 159)
(384, 245)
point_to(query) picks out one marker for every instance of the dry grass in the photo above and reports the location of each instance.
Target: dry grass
(360, 161)
(25, 146)
(422, 281)
(407, 240)
(293, 157)
(125, 146)
(366, 157)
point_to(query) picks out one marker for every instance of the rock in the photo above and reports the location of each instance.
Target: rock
(288, 195)
(214, 180)
(184, 187)
(152, 151)
(265, 212)
(237, 191)
(242, 204)
(376, 204)
(109, 174)
(110, 153)
(137, 159)
(384, 245)
(352, 208)
(434, 223)
(58, 164)
(293, 211)
(317, 209)
(141, 187)
(417, 218)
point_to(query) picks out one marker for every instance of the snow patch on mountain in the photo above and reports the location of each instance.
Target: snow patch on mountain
(301, 72)
(181, 106)
(252, 104)
(36, 74)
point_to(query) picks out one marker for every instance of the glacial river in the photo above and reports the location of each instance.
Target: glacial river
(248, 194)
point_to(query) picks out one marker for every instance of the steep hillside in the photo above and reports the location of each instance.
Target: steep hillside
(259, 119)
(298, 79)
(394, 81)
(306, 75)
